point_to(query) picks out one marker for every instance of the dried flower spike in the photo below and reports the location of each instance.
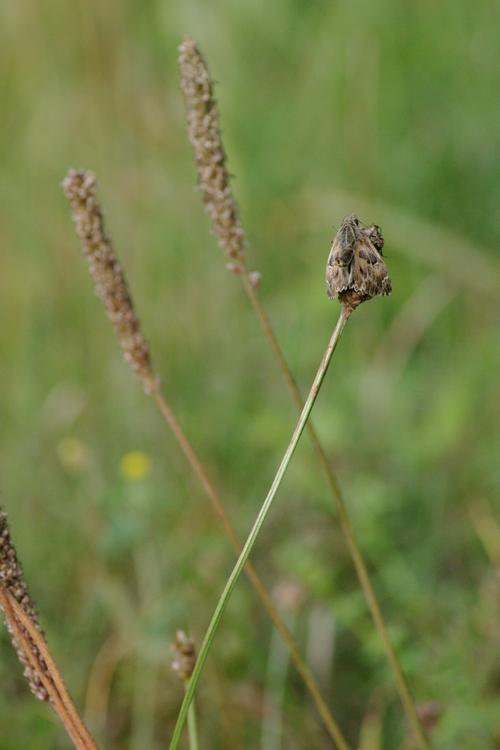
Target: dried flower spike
(184, 656)
(107, 273)
(12, 581)
(355, 270)
(204, 133)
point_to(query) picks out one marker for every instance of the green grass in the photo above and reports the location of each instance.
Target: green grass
(381, 108)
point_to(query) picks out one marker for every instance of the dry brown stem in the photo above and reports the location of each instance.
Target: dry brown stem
(40, 669)
(36, 654)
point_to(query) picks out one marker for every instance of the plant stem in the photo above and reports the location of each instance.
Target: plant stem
(40, 660)
(307, 676)
(192, 727)
(345, 522)
(247, 547)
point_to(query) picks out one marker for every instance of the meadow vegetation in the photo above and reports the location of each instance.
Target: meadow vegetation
(327, 108)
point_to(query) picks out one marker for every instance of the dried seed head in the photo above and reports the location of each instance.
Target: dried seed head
(107, 273)
(184, 653)
(12, 581)
(355, 270)
(204, 133)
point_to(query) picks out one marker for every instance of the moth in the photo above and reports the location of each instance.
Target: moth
(355, 270)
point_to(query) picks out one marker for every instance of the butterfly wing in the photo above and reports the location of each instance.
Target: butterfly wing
(370, 275)
(374, 234)
(339, 267)
(355, 270)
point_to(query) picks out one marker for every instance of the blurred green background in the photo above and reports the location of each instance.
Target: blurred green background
(387, 109)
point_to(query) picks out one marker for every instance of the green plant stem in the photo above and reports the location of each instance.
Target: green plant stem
(247, 547)
(306, 674)
(343, 515)
(192, 727)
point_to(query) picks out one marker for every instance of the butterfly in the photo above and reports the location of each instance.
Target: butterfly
(355, 270)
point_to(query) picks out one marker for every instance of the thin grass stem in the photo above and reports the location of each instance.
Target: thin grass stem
(252, 537)
(306, 674)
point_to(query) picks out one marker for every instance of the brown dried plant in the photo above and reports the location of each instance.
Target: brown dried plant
(79, 186)
(12, 581)
(203, 123)
(40, 669)
(109, 280)
(204, 131)
(184, 653)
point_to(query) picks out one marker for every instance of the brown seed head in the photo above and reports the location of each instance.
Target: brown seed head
(12, 581)
(355, 270)
(210, 157)
(184, 656)
(107, 273)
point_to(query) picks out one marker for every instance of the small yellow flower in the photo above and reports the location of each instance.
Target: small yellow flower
(135, 465)
(73, 454)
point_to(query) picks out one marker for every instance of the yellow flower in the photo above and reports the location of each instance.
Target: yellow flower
(73, 454)
(135, 465)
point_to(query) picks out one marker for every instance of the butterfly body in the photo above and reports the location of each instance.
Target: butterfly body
(355, 270)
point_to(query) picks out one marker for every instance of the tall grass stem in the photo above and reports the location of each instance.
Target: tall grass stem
(306, 674)
(252, 537)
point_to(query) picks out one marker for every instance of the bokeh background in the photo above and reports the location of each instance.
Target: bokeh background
(387, 109)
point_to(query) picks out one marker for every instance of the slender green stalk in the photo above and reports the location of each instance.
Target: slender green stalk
(247, 547)
(192, 727)
(305, 672)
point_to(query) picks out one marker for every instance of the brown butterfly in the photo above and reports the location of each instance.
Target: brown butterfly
(355, 270)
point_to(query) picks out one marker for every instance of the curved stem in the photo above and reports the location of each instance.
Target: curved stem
(247, 547)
